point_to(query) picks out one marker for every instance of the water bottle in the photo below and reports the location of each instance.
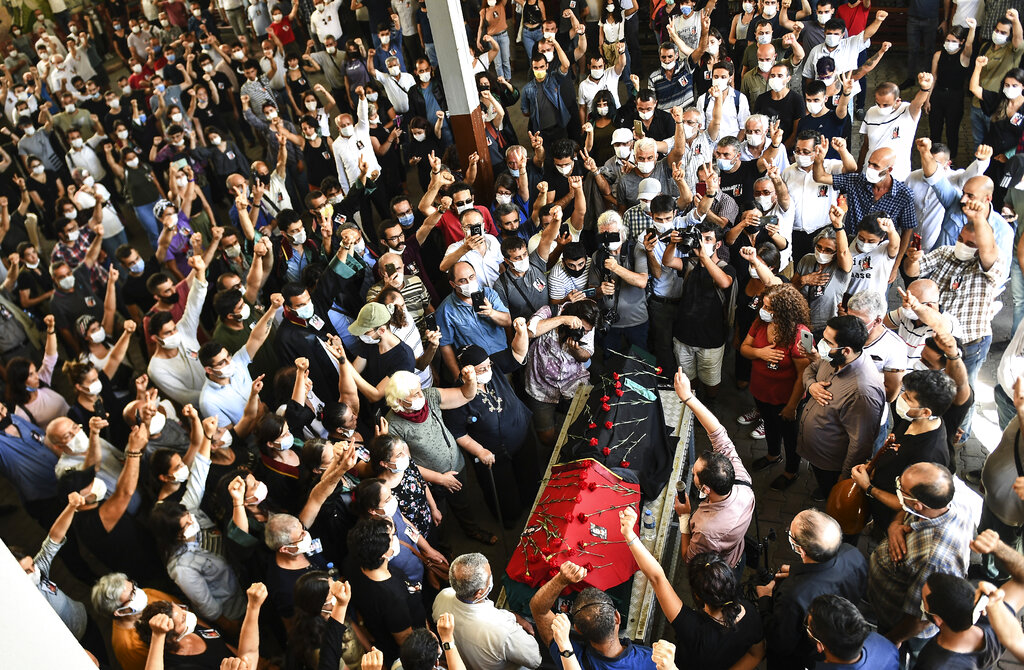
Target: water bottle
(647, 525)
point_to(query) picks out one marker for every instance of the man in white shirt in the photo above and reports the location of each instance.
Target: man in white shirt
(487, 638)
(601, 79)
(892, 123)
(916, 324)
(772, 199)
(353, 144)
(396, 83)
(735, 106)
(324, 19)
(756, 140)
(811, 200)
(843, 50)
(482, 251)
(930, 211)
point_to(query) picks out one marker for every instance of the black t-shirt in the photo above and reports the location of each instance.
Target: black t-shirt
(387, 608)
(379, 366)
(740, 184)
(700, 319)
(829, 125)
(709, 645)
(954, 418)
(496, 418)
(1004, 134)
(927, 447)
(36, 282)
(127, 547)
(662, 126)
(216, 651)
(787, 110)
(67, 307)
(935, 657)
(280, 584)
(134, 292)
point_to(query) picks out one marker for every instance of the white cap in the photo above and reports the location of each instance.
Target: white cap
(622, 136)
(649, 189)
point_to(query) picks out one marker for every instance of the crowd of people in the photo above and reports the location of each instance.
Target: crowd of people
(256, 471)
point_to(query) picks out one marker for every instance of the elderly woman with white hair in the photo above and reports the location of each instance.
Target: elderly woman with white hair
(415, 417)
(122, 600)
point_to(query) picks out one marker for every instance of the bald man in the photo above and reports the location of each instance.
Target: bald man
(932, 534)
(874, 190)
(240, 191)
(827, 565)
(929, 211)
(916, 320)
(952, 199)
(892, 122)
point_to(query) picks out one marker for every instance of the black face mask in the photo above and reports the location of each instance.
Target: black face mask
(838, 358)
(574, 273)
(5, 421)
(171, 299)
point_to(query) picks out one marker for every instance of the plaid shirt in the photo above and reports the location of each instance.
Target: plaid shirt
(74, 255)
(934, 545)
(637, 221)
(698, 152)
(898, 203)
(965, 290)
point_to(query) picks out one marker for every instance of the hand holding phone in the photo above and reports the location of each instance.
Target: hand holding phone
(807, 341)
(478, 300)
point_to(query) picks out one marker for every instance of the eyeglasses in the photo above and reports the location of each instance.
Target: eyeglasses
(807, 627)
(460, 203)
(395, 238)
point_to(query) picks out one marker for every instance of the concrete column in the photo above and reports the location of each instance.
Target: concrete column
(454, 62)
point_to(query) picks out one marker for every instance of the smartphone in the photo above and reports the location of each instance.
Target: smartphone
(589, 292)
(700, 188)
(666, 236)
(638, 128)
(390, 269)
(915, 242)
(563, 230)
(476, 230)
(769, 220)
(478, 300)
(807, 341)
(430, 321)
(180, 163)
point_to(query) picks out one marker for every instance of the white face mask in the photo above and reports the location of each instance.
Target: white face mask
(645, 167)
(962, 252)
(832, 40)
(1011, 92)
(66, 283)
(646, 116)
(390, 507)
(671, 65)
(824, 17)
(469, 288)
(79, 443)
(823, 258)
(872, 175)
(176, 117)
(299, 238)
(520, 266)
(417, 403)
(77, 142)
(764, 39)
(503, 198)
(815, 108)
(259, 494)
(485, 377)
(764, 202)
(369, 339)
(721, 83)
(348, 131)
(138, 602)
(769, 11)
(999, 39)
(829, 80)
(192, 529)
(596, 73)
(122, 134)
(395, 548)
(98, 335)
(622, 151)
(908, 314)
(748, 7)
(764, 315)
(190, 624)
(755, 139)
(172, 341)
(548, 36)
(425, 77)
(401, 464)
(712, 48)
(753, 272)
(38, 169)
(777, 84)
(951, 46)
(765, 65)
(156, 425)
(419, 137)
(866, 247)
(311, 105)
(602, 110)
(804, 161)
(98, 490)
(565, 170)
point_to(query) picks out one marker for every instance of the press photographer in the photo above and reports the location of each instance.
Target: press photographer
(619, 273)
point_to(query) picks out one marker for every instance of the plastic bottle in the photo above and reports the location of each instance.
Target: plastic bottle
(647, 525)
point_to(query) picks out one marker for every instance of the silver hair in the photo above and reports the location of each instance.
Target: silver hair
(108, 592)
(761, 120)
(608, 218)
(826, 233)
(871, 302)
(400, 386)
(278, 531)
(644, 144)
(730, 142)
(468, 575)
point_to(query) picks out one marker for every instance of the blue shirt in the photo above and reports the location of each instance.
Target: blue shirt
(27, 462)
(633, 656)
(227, 402)
(955, 218)
(551, 88)
(878, 654)
(381, 55)
(897, 203)
(461, 326)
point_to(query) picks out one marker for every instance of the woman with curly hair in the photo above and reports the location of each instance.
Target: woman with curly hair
(725, 631)
(776, 377)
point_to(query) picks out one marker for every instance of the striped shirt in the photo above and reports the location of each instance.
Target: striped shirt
(560, 284)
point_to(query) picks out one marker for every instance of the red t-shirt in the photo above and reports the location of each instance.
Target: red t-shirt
(283, 30)
(772, 383)
(452, 230)
(856, 18)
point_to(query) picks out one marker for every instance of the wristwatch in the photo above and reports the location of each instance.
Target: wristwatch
(447, 646)
(869, 489)
(568, 653)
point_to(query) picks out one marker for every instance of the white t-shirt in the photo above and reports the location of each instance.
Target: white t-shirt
(406, 10)
(888, 352)
(735, 110)
(486, 265)
(811, 200)
(845, 55)
(913, 335)
(966, 9)
(894, 130)
(326, 22)
(589, 88)
(870, 270)
(687, 27)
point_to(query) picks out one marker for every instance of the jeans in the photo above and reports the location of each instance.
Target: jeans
(1017, 290)
(502, 66)
(618, 341)
(530, 38)
(144, 213)
(947, 112)
(979, 125)
(920, 43)
(975, 354)
(883, 433)
(1004, 407)
(779, 432)
(431, 53)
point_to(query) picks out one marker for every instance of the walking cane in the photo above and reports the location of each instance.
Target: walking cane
(501, 521)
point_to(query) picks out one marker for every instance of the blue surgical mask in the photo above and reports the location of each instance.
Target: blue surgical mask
(141, 120)
(514, 173)
(138, 266)
(406, 220)
(305, 312)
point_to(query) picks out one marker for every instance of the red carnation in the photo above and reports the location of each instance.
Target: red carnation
(658, 369)
(605, 398)
(624, 464)
(608, 425)
(619, 392)
(615, 375)
(588, 567)
(582, 517)
(592, 425)
(618, 385)
(593, 441)
(604, 451)
(556, 542)
(593, 485)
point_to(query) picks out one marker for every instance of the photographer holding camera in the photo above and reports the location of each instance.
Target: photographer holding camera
(667, 284)
(702, 319)
(619, 273)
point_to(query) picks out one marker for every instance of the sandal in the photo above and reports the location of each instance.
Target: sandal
(482, 536)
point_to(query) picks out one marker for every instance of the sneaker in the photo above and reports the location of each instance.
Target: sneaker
(753, 416)
(782, 482)
(763, 463)
(859, 114)
(758, 432)
(817, 495)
